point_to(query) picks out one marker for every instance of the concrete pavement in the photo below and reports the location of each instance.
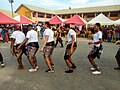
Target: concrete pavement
(81, 79)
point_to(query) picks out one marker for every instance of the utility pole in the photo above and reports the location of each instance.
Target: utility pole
(11, 2)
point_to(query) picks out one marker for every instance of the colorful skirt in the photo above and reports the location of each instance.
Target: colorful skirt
(30, 51)
(48, 50)
(68, 48)
(18, 53)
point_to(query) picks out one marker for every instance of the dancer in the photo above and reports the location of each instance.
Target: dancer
(58, 37)
(48, 47)
(31, 48)
(17, 38)
(71, 47)
(95, 52)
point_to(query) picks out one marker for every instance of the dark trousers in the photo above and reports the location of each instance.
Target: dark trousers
(1, 58)
(117, 56)
(60, 41)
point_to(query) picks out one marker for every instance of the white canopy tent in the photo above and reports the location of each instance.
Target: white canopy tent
(117, 22)
(101, 18)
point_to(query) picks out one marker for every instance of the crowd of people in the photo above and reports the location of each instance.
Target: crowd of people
(110, 33)
(26, 42)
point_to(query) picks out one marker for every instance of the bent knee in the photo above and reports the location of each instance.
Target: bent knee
(89, 56)
(66, 57)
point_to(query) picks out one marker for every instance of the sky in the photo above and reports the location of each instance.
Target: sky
(58, 4)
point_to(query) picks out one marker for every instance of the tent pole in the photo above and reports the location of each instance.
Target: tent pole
(21, 27)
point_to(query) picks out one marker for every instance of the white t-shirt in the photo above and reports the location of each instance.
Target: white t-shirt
(71, 32)
(38, 28)
(18, 36)
(50, 34)
(96, 37)
(32, 36)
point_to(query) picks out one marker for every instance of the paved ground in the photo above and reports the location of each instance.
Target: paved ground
(81, 79)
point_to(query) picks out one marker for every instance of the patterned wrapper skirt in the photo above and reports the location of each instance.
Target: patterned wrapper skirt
(94, 52)
(18, 53)
(30, 51)
(68, 52)
(48, 50)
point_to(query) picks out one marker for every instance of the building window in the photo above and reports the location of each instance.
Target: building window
(63, 17)
(88, 19)
(40, 15)
(68, 16)
(34, 14)
(48, 16)
(90, 15)
(113, 15)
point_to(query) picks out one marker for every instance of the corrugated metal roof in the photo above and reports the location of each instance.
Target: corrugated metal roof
(89, 9)
(39, 9)
(73, 11)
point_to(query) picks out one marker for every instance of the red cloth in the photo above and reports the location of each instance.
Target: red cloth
(25, 20)
(55, 20)
(4, 19)
(75, 20)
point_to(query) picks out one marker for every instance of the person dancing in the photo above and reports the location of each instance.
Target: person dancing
(48, 47)
(71, 47)
(95, 52)
(31, 48)
(17, 38)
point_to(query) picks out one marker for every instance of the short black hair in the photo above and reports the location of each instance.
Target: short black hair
(67, 26)
(57, 26)
(97, 24)
(48, 24)
(29, 25)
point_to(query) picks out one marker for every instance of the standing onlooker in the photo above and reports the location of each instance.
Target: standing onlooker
(71, 47)
(117, 31)
(89, 34)
(1, 38)
(104, 30)
(109, 36)
(117, 56)
(58, 37)
(48, 46)
(113, 35)
(31, 48)
(42, 31)
(11, 30)
(17, 38)
(6, 35)
(1, 60)
(38, 30)
(82, 33)
(97, 40)
(3, 34)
